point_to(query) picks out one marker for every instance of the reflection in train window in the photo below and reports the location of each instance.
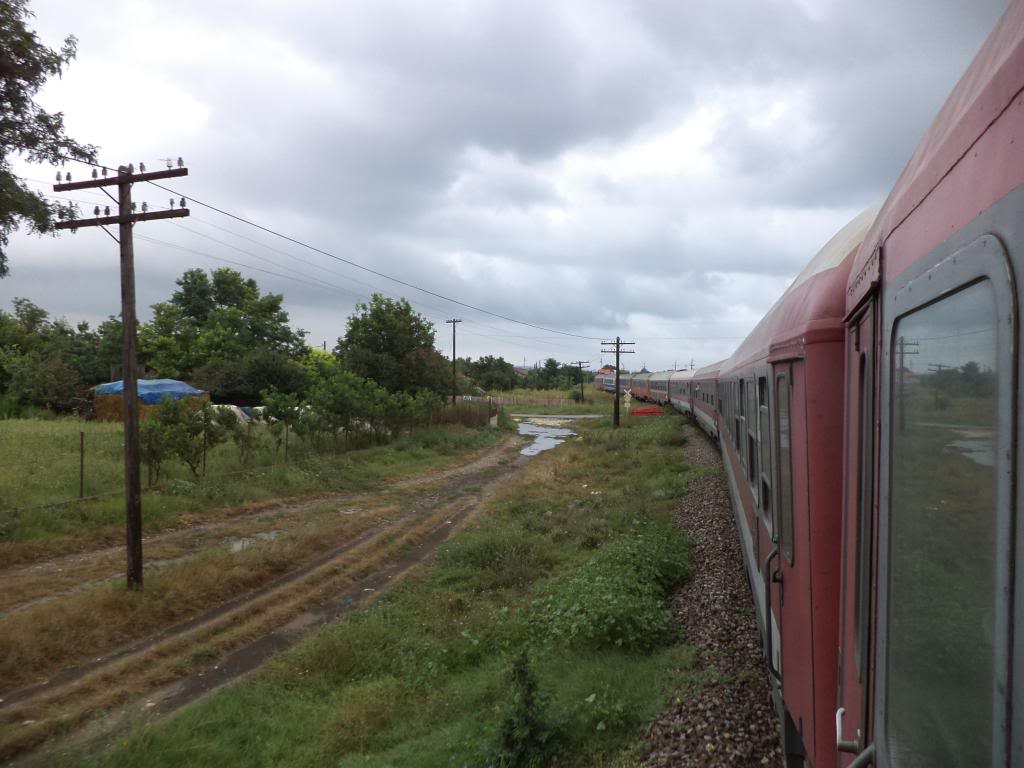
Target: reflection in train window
(943, 519)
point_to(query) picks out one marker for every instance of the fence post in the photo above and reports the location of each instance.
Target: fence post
(81, 464)
(204, 445)
(286, 442)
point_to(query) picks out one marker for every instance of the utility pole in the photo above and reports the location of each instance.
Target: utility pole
(904, 348)
(453, 322)
(581, 363)
(617, 348)
(126, 218)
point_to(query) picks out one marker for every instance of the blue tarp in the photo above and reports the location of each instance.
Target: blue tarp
(152, 391)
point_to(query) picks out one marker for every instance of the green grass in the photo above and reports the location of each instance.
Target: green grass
(39, 468)
(556, 401)
(571, 565)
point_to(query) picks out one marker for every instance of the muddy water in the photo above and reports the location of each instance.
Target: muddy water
(545, 437)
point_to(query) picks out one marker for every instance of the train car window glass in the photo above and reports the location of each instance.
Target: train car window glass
(785, 458)
(865, 502)
(752, 436)
(764, 438)
(942, 595)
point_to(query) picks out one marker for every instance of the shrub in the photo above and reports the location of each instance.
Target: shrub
(525, 740)
(615, 599)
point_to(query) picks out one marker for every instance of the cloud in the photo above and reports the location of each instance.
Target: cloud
(648, 169)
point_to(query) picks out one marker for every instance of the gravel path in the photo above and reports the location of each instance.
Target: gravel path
(729, 721)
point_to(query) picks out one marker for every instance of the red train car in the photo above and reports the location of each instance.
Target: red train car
(932, 609)
(780, 409)
(639, 386)
(869, 427)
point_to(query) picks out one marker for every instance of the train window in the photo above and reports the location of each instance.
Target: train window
(783, 429)
(942, 705)
(764, 438)
(752, 449)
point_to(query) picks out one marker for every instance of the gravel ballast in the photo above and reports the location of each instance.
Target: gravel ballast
(729, 720)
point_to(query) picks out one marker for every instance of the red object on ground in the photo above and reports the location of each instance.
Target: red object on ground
(647, 410)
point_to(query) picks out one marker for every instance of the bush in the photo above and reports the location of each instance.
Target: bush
(615, 600)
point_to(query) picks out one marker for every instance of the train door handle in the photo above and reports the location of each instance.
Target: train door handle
(841, 744)
(769, 639)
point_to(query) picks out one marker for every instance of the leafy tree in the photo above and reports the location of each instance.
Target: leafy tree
(390, 343)
(224, 318)
(41, 380)
(26, 130)
(492, 373)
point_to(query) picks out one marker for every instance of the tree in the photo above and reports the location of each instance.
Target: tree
(390, 343)
(27, 130)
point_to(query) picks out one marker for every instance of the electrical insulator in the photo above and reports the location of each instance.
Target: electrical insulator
(104, 171)
(133, 206)
(94, 174)
(58, 177)
(142, 167)
(106, 211)
(96, 211)
(181, 204)
(181, 163)
(145, 207)
(67, 176)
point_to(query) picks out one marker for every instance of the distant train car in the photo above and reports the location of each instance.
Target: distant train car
(679, 391)
(705, 383)
(657, 385)
(639, 386)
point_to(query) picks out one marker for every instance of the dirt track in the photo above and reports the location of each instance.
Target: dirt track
(386, 533)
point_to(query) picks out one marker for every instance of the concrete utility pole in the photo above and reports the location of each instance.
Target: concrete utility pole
(580, 364)
(453, 322)
(617, 348)
(126, 219)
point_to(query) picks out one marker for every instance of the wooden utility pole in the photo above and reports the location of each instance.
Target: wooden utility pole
(126, 219)
(617, 348)
(580, 364)
(453, 323)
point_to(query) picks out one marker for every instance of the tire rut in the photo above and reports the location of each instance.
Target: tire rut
(248, 629)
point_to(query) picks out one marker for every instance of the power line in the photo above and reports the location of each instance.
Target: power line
(375, 272)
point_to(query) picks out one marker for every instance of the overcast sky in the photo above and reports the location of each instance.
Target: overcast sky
(647, 169)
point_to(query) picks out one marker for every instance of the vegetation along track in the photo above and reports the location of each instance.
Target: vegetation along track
(730, 719)
(180, 662)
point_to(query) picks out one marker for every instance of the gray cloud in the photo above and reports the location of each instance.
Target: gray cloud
(645, 168)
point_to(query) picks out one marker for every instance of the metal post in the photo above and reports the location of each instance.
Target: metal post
(81, 465)
(618, 343)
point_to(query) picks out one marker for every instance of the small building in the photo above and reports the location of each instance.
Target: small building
(108, 400)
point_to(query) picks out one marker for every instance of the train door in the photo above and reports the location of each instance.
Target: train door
(852, 715)
(946, 513)
(787, 568)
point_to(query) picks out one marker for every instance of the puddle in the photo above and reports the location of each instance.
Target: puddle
(544, 437)
(981, 452)
(241, 543)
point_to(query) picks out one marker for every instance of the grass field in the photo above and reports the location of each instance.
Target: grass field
(554, 401)
(39, 475)
(539, 635)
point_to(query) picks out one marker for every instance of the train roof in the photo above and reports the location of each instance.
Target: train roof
(685, 373)
(644, 375)
(814, 303)
(709, 371)
(987, 89)
(661, 375)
